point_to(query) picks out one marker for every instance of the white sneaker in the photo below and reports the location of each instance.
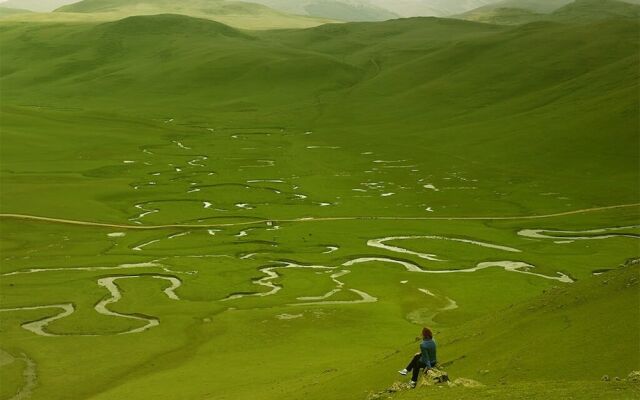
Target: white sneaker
(412, 384)
(403, 371)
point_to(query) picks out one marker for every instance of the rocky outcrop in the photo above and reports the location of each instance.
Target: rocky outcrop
(432, 378)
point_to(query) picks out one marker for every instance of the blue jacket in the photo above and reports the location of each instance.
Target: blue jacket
(428, 350)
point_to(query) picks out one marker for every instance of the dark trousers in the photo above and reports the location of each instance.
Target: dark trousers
(415, 366)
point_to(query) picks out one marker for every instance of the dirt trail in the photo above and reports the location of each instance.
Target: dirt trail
(312, 219)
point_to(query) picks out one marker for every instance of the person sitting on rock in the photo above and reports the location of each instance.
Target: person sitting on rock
(426, 358)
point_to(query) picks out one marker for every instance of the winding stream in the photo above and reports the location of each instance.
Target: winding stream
(598, 234)
(66, 309)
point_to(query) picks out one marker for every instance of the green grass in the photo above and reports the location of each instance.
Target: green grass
(560, 390)
(170, 119)
(560, 324)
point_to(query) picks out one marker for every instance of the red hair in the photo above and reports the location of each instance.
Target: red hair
(427, 334)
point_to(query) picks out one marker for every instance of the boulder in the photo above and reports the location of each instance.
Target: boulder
(464, 382)
(438, 376)
(434, 376)
(385, 394)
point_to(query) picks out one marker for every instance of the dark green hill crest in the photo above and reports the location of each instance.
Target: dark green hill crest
(402, 26)
(590, 10)
(518, 12)
(92, 6)
(169, 24)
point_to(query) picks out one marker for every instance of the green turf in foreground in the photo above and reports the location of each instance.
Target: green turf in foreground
(534, 391)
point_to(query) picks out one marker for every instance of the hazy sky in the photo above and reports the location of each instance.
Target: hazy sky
(37, 5)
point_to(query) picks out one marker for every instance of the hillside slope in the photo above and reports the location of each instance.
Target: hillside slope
(560, 325)
(568, 337)
(445, 82)
(131, 58)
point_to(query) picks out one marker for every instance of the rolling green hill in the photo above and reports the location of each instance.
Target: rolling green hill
(514, 12)
(589, 10)
(234, 13)
(409, 68)
(373, 10)
(127, 51)
(503, 16)
(221, 10)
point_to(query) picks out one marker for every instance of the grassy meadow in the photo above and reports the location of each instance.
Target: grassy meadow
(194, 209)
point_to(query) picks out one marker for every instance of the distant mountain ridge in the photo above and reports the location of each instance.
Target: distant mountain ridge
(514, 12)
(535, 6)
(237, 14)
(342, 10)
(335, 9)
(169, 24)
(505, 12)
(434, 8)
(352, 10)
(203, 6)
(591, 10)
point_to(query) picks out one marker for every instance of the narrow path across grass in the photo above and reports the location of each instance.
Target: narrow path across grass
(311, 219)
